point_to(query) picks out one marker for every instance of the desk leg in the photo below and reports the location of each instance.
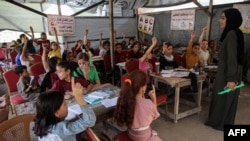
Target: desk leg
(199, 94)
(155, 83)
(176, 103)
(209, 85)
(120, 71)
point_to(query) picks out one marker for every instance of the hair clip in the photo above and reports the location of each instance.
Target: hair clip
(128, 81)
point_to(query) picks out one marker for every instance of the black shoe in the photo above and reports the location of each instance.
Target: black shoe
(218, 128)
(207, 124)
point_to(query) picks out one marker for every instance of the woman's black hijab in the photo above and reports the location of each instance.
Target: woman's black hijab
(233, 22)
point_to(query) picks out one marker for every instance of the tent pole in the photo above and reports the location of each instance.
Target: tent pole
(137, 31)
(111, 24)
(201, 7)
(59, 7)
(209, 21)
(94, 5)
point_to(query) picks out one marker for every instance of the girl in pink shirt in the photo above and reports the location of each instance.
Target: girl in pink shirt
(135, 111)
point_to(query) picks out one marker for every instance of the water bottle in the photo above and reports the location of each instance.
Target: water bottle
(157, 68)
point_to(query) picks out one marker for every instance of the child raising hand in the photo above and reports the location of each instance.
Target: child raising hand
(51, 108)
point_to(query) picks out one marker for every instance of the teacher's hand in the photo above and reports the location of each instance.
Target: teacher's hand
(231, 85)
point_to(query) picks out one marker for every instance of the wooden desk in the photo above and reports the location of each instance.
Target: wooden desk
(211, 72)
(178, 83)
(102, 113)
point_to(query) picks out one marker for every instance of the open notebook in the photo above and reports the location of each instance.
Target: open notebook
(97, 96)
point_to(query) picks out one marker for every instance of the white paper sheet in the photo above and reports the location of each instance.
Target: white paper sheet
(211, 67)
(166, 71)
(122, 64)
(98, 95)
(180, 74)
(181, 69)
(166, 74)
(110, 102)
(73, 111)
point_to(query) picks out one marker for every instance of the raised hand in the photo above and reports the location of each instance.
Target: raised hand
(77, 88)
(204, 29)
(164, 47)
(193, 34)
(154, 40)
(31, 29)
(78, 91)
(123, 34)
(152, 94)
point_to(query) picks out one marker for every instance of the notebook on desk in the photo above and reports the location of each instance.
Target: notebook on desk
(176, 74)
(98, 95)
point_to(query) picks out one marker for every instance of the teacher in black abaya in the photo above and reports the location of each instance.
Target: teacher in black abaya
(223, 107)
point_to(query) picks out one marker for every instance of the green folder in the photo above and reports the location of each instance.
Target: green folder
(229, 90)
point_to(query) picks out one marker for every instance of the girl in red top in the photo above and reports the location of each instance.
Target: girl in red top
(64, 71)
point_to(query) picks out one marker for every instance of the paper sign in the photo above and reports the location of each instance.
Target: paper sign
(182, 19)
(65, 25)
(146, 24)
(245, 13)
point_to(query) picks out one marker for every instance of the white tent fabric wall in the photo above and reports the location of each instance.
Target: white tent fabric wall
(181, 37)
(97, 25)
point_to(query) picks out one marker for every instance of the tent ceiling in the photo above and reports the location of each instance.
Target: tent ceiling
(14, 16)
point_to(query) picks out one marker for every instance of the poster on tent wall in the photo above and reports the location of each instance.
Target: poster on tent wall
(65, 25)
(182, 19)
(245, 12)
(146, 24)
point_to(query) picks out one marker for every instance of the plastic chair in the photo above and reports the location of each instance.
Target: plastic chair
(126, 53)
(16, 128)
(36, 70)
(91, 135)
(96, 52)
(122, 136)
(107, 66)
(37, 58)
(11, 79)
(132, 65)
(2, 54)
(161, 99)
(13, 55)
(183, 62)
(178, 59)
